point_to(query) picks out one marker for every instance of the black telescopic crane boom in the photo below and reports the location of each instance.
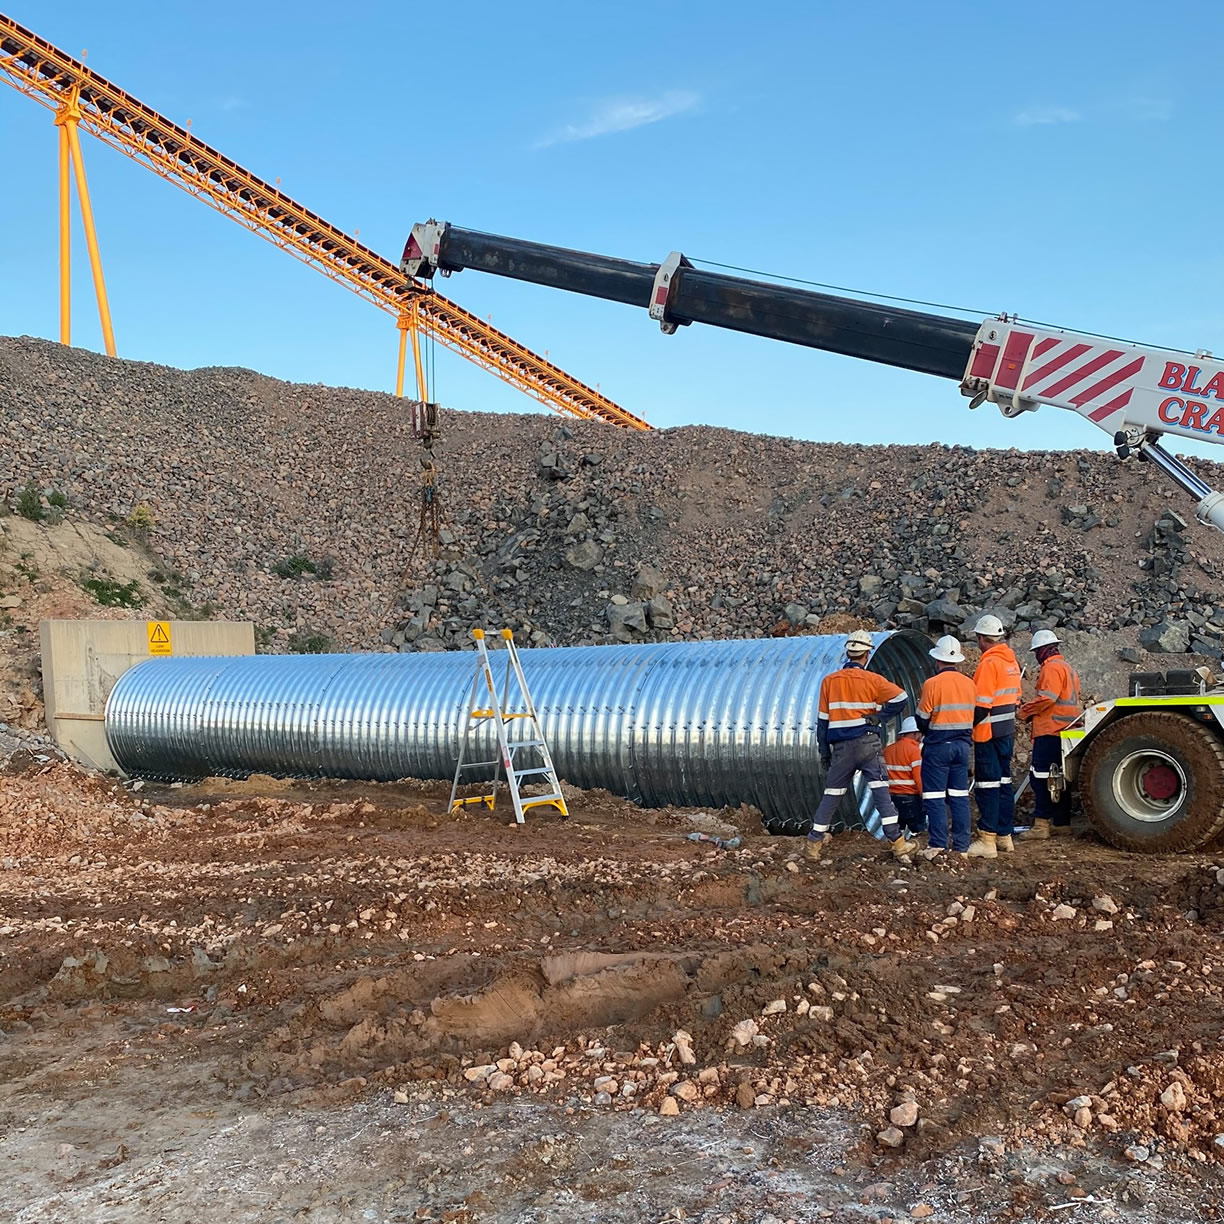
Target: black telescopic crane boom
(676, 293)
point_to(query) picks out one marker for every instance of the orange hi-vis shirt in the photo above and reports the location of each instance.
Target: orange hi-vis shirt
(903, 759)
(945, 709)
(851, 696)
(997, 680)
(1057, 704)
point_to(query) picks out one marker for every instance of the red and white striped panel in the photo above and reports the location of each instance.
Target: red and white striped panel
(1094, 379)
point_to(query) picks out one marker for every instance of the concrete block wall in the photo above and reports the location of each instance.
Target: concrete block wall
(81, 660)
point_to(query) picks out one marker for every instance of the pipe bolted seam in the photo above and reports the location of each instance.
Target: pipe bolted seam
(687, 723)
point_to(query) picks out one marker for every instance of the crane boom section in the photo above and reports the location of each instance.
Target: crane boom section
(42, 71)
(928, 343)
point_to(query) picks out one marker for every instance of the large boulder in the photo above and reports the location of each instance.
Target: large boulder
(583, 556)
(555, 466)
(944, 612)
(795, 613)
(1167, 637)
(659, 612)
(647, 582)
(627, 621)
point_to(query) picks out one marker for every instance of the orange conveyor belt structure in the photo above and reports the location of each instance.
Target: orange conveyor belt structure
(81, 98)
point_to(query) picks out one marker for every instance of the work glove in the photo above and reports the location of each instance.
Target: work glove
(826, 758)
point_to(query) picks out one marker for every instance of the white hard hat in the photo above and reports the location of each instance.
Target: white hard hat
(989, 626)
(859, 642)
(947, 650)
(1044, 637)
(909, 725)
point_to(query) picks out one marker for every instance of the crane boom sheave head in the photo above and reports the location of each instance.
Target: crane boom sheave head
(421, 251)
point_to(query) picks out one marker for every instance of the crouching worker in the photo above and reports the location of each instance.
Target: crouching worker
(945, 714)
(903, 760)
(853, 703)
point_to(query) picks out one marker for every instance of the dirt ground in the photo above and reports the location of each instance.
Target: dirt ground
(266, 1001)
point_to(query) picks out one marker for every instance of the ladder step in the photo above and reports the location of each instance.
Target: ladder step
(541, 769)
(536, 743)
(546, 801)
(487, 800)
(478, 764)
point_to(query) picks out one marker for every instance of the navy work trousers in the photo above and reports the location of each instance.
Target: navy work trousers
(862, 755)
(1047, 751)
(992, 784)
(945, 791)
(909, 809)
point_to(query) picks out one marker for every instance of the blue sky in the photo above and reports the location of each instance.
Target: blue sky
(1051, 159)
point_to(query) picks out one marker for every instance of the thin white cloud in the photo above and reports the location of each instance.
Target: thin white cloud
(623, 115)
(1036, 116)
(232, 103)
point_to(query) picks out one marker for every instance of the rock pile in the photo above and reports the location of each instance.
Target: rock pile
(297, 507)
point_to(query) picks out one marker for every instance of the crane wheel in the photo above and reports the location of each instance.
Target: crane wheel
(1153, 782)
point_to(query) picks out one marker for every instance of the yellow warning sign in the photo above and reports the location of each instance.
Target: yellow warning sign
(159, 638)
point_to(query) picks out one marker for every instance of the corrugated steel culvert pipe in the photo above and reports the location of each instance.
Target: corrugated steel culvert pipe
(688, 723)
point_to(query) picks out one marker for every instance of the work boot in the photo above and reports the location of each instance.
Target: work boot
(984, 847)
(901, 849)
(1004, 842)
(812, 847)
(1060, 830)
(1041, 831)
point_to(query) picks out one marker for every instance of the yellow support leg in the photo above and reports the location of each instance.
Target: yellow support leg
(68, 117)
(402, 324)
(65, 237)
(415, 330)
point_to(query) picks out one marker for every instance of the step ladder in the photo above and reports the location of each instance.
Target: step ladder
(485, 705)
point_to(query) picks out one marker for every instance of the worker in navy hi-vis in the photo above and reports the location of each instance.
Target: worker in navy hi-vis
(853, 704)
(997, 680)
(945, 714)
(1051, 712)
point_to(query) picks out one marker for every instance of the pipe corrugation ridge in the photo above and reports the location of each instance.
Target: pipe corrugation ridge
(687, 723)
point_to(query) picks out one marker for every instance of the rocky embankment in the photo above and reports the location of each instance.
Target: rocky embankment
(298, 507)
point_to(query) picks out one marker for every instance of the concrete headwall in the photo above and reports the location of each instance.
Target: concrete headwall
(81, 660)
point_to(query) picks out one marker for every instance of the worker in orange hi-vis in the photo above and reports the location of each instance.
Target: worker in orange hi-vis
(1052, 711)
(997, 681)
(903, 760)
(853, 703)
(945, 715)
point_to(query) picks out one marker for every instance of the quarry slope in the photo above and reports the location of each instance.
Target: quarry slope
(297, 507)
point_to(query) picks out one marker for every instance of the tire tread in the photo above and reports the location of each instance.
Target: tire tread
(1189, 833)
